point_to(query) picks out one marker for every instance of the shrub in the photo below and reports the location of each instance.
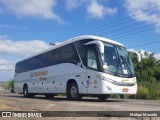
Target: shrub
(11, 86)
(154, 91)
(142, 92)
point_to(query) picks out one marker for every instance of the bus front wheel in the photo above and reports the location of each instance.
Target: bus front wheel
(73, 92)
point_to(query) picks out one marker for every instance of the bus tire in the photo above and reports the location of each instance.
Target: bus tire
(102, 97)
(26, 94)
(73, 92)
(25, 91)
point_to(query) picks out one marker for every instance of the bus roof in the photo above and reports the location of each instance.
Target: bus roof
(74, 40)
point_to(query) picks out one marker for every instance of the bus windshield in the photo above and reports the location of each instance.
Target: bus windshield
(117, 60)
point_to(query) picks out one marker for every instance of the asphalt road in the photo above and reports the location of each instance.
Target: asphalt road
(16, 102)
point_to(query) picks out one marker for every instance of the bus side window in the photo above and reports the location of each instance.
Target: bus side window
(91, 59)
(67, 54)
(82, 50)
(18, 68)
(53, 57)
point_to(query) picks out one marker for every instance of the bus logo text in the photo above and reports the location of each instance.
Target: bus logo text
(41, 73)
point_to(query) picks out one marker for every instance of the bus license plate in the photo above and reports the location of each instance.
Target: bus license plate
(125, 90)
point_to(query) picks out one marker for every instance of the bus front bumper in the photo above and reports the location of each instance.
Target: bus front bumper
(110, 88)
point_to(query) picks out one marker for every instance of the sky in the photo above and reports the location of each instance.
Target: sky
(29, 26)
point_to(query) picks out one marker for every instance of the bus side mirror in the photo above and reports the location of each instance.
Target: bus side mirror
(134, 52)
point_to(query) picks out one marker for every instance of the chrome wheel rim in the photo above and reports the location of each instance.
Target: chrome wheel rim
(74, 91)
(25, 92)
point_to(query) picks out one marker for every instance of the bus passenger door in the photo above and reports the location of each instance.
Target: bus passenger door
(84, 87)
(92, 70)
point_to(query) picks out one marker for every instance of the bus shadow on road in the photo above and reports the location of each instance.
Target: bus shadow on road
(86, 99)
(63, 98)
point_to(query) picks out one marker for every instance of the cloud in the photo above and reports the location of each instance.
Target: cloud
(97, 10)
(6, 65)
(12, 27)
(72, 4)
(7, 68)
(33, 8)
(94, 8)
(140, 6)
(21, 48)
(12, 51)
(157, 56)
(143, 53)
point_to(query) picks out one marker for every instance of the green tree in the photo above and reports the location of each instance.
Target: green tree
(148, 75)
(148, 69)
(11, 85)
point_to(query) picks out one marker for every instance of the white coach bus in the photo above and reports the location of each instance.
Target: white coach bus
(84, 65)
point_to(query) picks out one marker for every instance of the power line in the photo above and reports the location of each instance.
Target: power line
(135, 30)
(120, 24)
(138, 32)
(115, 21)
(128, 27)
(121, 19)
(145, 44)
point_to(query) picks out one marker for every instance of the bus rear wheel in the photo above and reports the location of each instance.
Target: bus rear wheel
(26, 94)
(73, 92)
(102, 97)
(25, 91)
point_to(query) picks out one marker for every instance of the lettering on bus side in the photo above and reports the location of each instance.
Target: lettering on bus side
(42, 78)
(40, 73)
